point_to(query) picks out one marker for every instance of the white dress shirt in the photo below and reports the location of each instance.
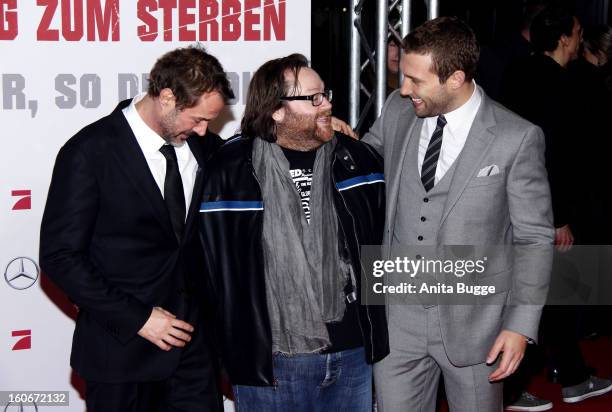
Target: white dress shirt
(455, 133)
(150, 143)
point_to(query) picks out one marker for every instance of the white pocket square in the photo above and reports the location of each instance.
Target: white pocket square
(490, 170)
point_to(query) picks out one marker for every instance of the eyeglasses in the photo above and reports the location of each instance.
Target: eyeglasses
(316, 99)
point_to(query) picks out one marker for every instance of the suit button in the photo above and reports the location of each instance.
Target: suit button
(420, 237)
(423, 218)
(418, 257)
(426, 200)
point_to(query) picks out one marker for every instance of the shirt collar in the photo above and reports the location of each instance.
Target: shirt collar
(462, 117)
(149, 141)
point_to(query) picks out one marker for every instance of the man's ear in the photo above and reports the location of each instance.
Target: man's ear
(167, 99)
(563, 41)
(456, 80)
(279, 115)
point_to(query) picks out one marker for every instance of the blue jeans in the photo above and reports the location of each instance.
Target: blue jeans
(333, 382)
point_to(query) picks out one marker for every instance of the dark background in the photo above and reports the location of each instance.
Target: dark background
(492, 20)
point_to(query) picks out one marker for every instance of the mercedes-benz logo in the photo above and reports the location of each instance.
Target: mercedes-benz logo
(21, 407)
(21, 273)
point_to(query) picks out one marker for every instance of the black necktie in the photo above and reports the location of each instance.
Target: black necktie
(428, 170)
(173, 190)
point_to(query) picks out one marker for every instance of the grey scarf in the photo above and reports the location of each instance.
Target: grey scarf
(305, 276)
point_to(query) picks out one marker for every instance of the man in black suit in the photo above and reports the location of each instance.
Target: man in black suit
(118, 236)
(541, 89)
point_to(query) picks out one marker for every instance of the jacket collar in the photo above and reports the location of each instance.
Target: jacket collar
(131, 160)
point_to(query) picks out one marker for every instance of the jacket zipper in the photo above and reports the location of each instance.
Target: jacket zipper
(367, 309)
(274, 380)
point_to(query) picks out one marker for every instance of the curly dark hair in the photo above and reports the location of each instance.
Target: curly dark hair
(189, 72)
(451, 43)
(267, 87)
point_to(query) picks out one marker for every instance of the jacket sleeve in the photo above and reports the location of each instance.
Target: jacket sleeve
(67, 227)
(375, 137)
(533, 235)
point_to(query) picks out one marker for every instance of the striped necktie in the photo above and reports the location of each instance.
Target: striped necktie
(428, 170)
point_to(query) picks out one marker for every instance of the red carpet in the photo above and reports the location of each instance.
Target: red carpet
(598, 354)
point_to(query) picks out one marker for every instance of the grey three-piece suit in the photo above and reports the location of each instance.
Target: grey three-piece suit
(511, 207)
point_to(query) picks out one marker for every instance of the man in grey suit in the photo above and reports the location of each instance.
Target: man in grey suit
(461, 170)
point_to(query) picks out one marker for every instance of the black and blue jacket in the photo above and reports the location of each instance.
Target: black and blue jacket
(231, 222)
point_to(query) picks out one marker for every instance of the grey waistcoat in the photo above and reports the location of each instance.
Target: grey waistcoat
(419, 212)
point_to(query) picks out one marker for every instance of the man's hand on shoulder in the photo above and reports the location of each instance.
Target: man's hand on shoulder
(342, 127)
(165, 330)
(512, 345)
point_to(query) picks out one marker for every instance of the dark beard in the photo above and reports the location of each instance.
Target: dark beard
(300, 132)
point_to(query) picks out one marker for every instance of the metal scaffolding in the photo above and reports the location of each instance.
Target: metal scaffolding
(375, 57)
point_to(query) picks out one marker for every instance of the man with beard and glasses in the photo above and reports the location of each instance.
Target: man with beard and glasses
(119, 237)
(285, 208)
(463, 171)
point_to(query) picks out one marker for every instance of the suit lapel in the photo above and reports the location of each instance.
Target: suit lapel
(408, 127)
(132, 161)
(476, 146)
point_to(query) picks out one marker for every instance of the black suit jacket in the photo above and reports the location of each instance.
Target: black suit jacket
(107, 241)
(541, 91)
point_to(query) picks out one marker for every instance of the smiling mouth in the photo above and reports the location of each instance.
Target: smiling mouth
(324, 117)
(324, 120)
(416, 101)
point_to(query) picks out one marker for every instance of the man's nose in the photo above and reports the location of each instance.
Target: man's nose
(325, 104)
(201, 128)
(406, 89)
